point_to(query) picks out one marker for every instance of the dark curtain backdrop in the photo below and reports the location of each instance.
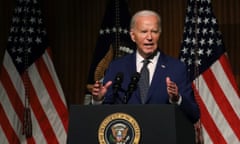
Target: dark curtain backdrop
(73, 25)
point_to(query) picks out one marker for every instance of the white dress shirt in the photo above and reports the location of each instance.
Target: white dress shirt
(151, 66)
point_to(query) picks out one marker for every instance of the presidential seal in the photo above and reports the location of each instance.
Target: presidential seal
(119, 128)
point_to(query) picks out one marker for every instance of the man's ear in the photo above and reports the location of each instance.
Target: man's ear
(132, 35)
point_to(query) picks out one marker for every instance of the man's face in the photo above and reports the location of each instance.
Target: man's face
(146, 34)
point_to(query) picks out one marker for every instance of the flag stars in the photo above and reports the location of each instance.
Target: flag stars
(18, 10)
(13, 49)
(125, 31)
(120, 29)
(198, 62)
(29, 40)
(194, 41)
(114, 29)
(12, 29)
(198, 30)
(189, 9)
(23, 30)
(200, 10)
(212, 31)
(20, 50)
(38, 40)
(204, 31)
(26, 9)
(209, 52)
(24, 20)
(107, 30)
(39, 21)
(9, 38)
(30, 30)
(207, 10)
(193, 21)
(210, 41)
(189, 62)
(202, 41)
(183, 59)
(184, 50)
(33, 20)
(21, 40)
(15, 20)
(199, 20)
(192, 52)
(190, 31)
(44, 32)
(101, 32)
(15, 39)
(214, 21)
(18, 60)
(201, 38)
(206, 20)
(219, 42)
(200, 51)
(187, 40)
(28, 50)
(186, 20)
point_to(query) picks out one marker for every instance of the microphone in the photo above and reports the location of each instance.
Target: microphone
(117, 83)
(132, 86)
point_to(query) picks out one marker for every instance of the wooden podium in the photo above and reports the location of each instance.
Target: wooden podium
(158, 124)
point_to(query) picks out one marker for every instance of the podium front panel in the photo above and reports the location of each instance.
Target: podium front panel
(158, 123)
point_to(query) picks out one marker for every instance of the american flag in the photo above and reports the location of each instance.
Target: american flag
(215, 87)
(114, 40)
(32, 104)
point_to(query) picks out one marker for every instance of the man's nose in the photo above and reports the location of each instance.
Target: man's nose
(149, 36)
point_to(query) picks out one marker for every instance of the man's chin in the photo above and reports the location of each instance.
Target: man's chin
(151, 52)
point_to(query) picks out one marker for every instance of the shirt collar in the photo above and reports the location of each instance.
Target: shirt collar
(153, 60)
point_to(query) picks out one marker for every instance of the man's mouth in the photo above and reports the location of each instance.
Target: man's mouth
(148, 44)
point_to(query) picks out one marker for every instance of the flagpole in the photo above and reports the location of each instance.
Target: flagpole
(197, 125)
(196, 68)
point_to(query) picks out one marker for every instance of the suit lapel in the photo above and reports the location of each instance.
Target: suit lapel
(158, 79)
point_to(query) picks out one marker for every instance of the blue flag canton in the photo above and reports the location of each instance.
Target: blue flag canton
(115, 28)
(27, 40)
(202, 42)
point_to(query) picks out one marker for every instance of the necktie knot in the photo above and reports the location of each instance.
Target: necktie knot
(145, 63)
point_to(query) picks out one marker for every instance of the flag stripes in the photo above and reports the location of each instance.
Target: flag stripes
(204, 53)
(217, 104)
(50, 86)
(234, 87)
(28, 82)
(211, 133)
(7, 132)
(42, 84)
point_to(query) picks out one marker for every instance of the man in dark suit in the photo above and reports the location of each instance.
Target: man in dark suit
(168, 77)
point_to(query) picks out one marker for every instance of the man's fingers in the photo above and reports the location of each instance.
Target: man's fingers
(168, 80)
(108, 84)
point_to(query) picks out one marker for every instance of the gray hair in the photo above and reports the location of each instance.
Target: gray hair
(145, 13)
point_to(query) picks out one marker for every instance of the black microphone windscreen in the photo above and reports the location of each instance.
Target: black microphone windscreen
(117, 82)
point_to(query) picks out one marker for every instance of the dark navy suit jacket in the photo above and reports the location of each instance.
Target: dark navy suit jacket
(157, 94)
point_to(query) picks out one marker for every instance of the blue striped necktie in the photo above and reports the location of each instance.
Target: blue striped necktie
(144, 80)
